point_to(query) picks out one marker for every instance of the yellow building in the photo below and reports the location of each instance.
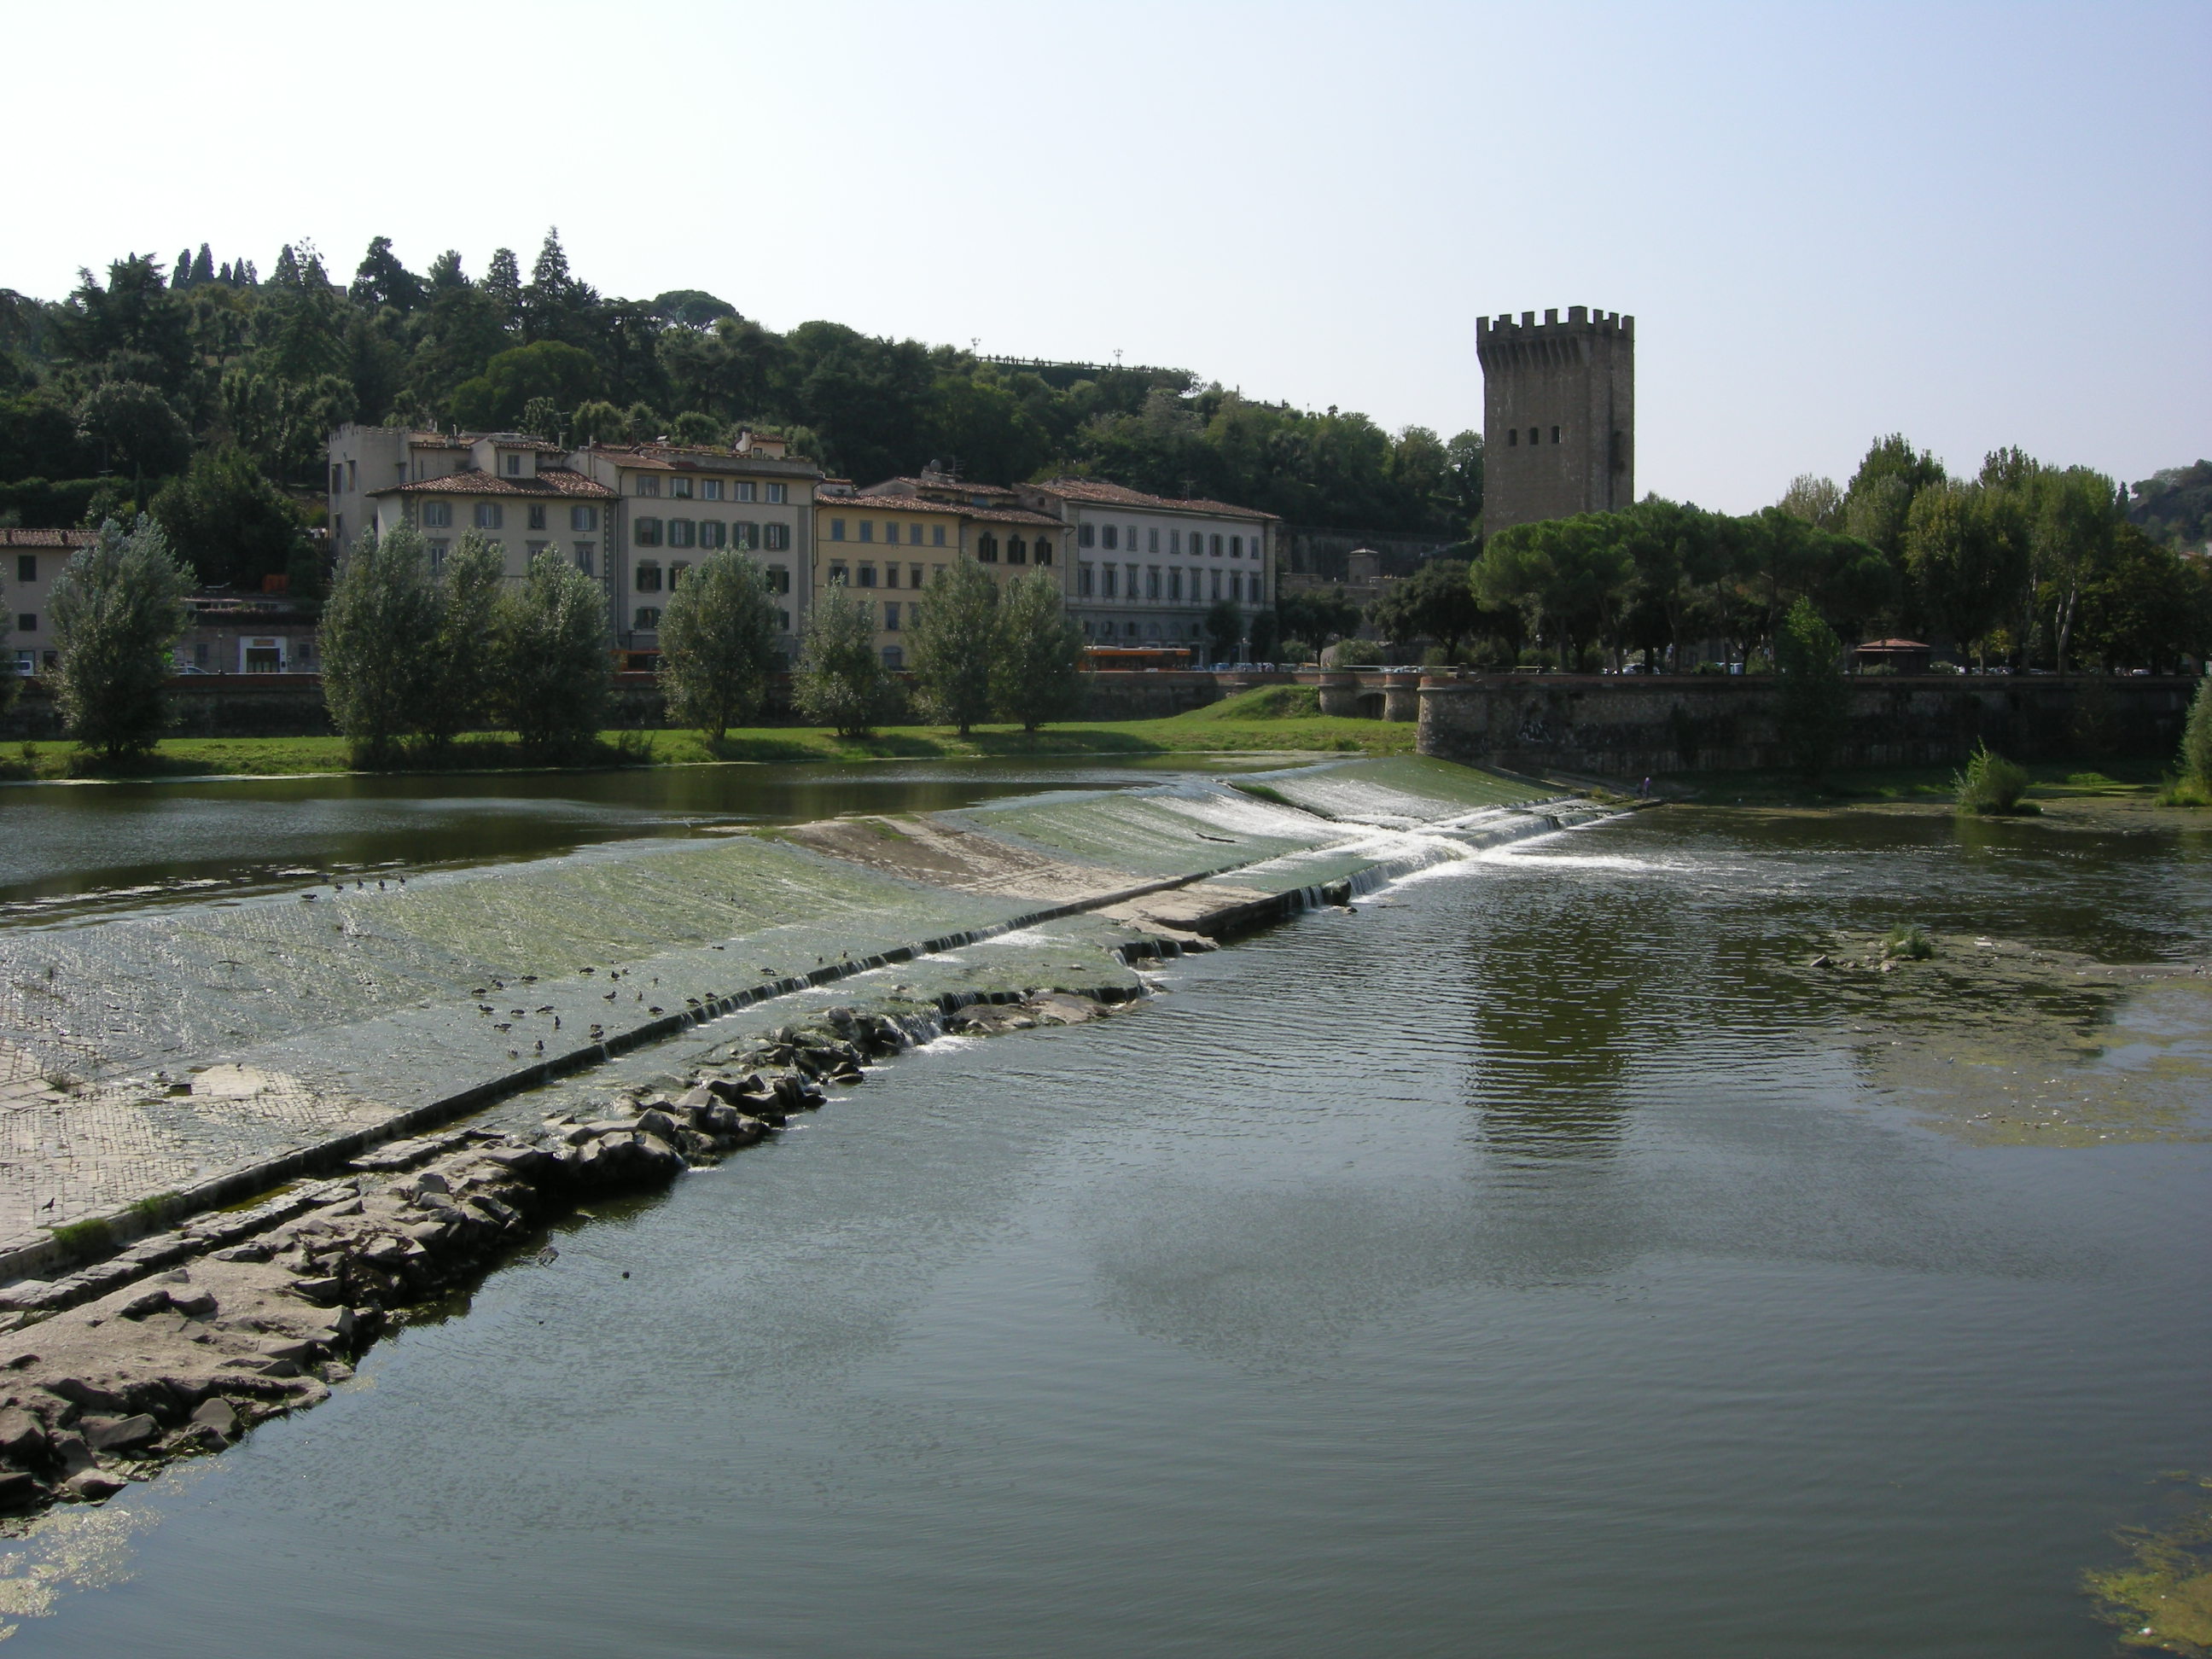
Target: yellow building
(887, 543)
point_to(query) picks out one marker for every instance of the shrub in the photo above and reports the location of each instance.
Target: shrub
(1992, 786)
(1911, 943)
(2197, 737)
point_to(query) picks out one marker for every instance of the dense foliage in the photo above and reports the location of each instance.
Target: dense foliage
(717, 643)
(118, 609)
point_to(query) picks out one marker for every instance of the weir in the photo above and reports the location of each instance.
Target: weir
(164, 1064)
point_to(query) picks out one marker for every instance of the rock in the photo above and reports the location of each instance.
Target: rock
(22, 1436)
(658, 1124)
(1821, 962)
(199, 1304)
(697, 1100)
(93, 1486)
(147, 1302)
(90, 1396)
(120, 1433)
(70, 1451)
(431, 1181)
(254, 1252)
(19, 1491)
(323, 1291)
(217, 1416)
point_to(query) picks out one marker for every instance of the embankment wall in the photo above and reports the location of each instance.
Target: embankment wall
(1630, 726)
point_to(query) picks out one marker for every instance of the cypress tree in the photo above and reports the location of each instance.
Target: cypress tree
(204, 267)
(182, 276)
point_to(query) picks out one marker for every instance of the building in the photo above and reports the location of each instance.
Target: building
(635, 517)
(29, 562)
(1147, 569)
(888, 543)
(1558, 415)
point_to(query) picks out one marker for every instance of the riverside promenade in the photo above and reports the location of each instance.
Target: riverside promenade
(156, 1067)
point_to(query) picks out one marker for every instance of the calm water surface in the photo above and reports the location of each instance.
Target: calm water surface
(1522, 1267)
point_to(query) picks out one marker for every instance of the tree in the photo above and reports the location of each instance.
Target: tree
(1436, 602)
(952, 643)
(225, 519)
(1568, 576)
(118, 607)
(1815, 500)
(460, 662)
(381, 613)
(1968, 551)
(136, 429)
(381, 280)
(839, 683)
(1807, 658)
(717, 643)
(1224, 627)
(2076, 513)
(556, 661)
(1317, 616)
(545, 368)
(598, 421)
(2197, 735)
(1267, 635)
(1037, 654)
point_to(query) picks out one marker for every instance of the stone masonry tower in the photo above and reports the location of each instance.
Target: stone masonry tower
(1558, 415)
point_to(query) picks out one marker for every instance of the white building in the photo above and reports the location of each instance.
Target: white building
(634, 517)
(1148, 568)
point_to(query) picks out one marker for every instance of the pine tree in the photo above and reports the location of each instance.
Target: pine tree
(952, 642)
(502, 284)
(118, 607)
(223, 275)
(556, 659)
(717, 643)
(840, 681)
(204, 267)
(1038, 651)
(380, 611)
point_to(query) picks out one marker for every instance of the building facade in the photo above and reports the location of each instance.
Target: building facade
(634, 517)
(29, 562)
(887, 543)
(1148, 568)
(1558, 415)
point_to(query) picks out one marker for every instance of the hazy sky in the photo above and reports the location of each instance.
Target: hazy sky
(1979, 224)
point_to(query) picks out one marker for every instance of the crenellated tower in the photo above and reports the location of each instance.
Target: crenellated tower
(1558, 415)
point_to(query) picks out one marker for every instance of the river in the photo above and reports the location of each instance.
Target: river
(1534, 1262)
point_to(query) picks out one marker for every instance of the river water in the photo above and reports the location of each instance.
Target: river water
(1532, 1262)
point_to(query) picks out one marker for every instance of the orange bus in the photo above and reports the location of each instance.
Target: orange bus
(1134, 658)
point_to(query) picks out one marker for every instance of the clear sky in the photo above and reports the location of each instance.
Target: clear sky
(1980, 224)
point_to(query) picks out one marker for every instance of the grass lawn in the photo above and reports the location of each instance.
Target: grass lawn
(2135, 779)
(1263, 720)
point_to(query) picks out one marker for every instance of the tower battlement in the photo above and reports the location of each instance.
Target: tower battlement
(1558, 405)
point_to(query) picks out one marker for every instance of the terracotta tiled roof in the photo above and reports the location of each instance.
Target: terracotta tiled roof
(861, 506)
(48, 537)
(672, 457)
(1895, 645)
(549, 481)
(935, 487)
(1098, 493)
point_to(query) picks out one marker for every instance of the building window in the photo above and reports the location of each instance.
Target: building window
(744, 490)
(1112, 572)
(437, 552)
(680, 489)
(26, 567)
(489, 515)
(890, 533)
(777, 494)
(1535, 436)
(1235, 547)
(587, 554)
(514, 466)
(1086, 535)
(1217, 584)
(1153, 583)
(683, 532)
(649, 576)
(1513, 437)
(1086, 581)
(891, 576)
(783, 622)
(1043, 550)
(1151, 541)
(744, 535)
(1174, 582)
(710, 489)
(937, 535)
(868, 575)
(26, 623)
(1216, 548)
(836, 529)
(1133, 539)
(893, 657)
(648, 616)
(583, 518)
(437, 515)
(776, 537)
(712, 532)
(914, 575)
(890, 616)
(867, 530)
(1112, 534)
(1018, 551)
(338, 479)
(647, 484)
(838, 575)
(987, 548)
(676, 575)
(537, 510)
(646, 532)
(779, 579)
(531, 549)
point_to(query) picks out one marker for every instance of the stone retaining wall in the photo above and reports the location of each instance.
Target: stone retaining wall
(1631, 726)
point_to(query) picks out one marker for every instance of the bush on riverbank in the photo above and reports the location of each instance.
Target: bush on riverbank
(1992, 786)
